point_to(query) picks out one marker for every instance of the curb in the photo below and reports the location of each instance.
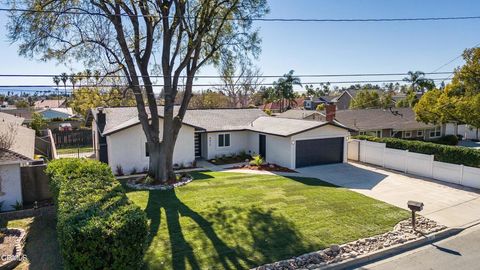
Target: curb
(395, 250)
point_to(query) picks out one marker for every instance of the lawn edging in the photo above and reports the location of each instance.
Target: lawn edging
(392, 251)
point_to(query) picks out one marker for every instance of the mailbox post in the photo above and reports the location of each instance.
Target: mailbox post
(415, 207)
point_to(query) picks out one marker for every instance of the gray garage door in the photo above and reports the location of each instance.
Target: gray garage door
(319, 151)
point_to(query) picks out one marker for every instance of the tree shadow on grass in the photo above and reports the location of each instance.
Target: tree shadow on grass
(42, 247)
(256, 236)
(310, 181)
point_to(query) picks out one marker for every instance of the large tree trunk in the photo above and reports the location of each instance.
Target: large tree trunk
(154, 169)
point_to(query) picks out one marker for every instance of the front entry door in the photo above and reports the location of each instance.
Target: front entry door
(198, 144)
(262, 147)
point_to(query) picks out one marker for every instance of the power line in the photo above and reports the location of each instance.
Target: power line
(78, 12)
(234, 76)
(201, 85)
(452, 60)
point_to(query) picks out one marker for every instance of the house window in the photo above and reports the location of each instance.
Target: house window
(435, 132)
(408, 134)
(223, 140)
(147, 153)
(374, 133)
(419, 133)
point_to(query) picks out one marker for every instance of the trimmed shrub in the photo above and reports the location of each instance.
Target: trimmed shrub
(447, 140)
(97, 226)
(257, 160)
(444, 153)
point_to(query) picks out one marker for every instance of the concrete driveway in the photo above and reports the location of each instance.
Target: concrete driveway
(450, 205)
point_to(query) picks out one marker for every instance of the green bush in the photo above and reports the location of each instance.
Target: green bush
(257, 160)
(97, 226)
(444, 153)
(447, 140)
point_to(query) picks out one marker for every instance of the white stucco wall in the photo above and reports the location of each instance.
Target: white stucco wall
(239, 141)
(10, 186)
(127, 148)
(279, 150)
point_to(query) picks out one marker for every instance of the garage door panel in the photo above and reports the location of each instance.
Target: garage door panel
(319, 151)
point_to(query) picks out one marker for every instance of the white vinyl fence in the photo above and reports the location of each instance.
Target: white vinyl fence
(412, 163)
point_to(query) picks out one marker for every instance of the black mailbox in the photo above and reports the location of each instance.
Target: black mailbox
(415, 206)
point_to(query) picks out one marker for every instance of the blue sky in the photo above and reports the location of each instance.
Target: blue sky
(317, 48)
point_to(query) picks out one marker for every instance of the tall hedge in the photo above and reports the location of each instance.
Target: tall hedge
(97, 226)
(444, 153)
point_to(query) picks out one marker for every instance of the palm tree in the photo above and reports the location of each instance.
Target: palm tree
(418, 81)
(64, 78)
(96, 74)
(73, 80)
(88, 75)
(56, 80)
(284, 89)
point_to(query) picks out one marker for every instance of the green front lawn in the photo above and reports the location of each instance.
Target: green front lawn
(236, 221)
(74, 150)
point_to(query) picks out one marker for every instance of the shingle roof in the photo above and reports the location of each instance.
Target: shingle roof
(375, 119)
(5, 117)
(218, 120)
(24, 138)
(283, 126)
(10, 156)
(68, 111)
(209, 120)
(49, 103)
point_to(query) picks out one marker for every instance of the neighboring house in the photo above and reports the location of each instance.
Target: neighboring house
(21, 149)
(7, 118)
(52, 113)
(50, 103)
(24, 138)
(398, 123)
(119, 139)
(343, 101)
(10, 178)
(312, 103)
(26, 114)
(466, 131)
(303, 114)
(276, 106)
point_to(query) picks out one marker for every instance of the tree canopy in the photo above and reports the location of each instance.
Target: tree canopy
(459, 101)
(371, 99)
(171, 38)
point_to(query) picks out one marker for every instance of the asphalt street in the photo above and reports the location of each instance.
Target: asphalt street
(458, 252)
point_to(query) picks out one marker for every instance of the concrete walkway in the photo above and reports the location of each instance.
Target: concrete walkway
(448, 204)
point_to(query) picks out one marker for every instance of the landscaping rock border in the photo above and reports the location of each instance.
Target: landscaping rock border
(18, 255)
(133, 184)
(402, 233)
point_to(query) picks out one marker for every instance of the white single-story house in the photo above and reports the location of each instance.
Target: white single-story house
(20, 150)
(119, 140)
(10, 178)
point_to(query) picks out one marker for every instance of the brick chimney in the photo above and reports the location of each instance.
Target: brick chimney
(330, 110)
